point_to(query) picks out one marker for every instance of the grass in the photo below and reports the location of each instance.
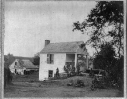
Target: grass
(29, 86)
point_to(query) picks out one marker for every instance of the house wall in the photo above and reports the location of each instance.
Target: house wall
(18, 69)
(11, 67)
(59, 62)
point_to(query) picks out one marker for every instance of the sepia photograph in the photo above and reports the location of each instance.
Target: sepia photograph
(64, 49)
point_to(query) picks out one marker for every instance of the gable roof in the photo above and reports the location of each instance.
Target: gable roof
(26, 63)
(13, 58)
(62, 47)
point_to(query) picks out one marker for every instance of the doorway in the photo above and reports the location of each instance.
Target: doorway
(50, 73)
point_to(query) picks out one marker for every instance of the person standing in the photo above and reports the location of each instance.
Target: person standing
(57, 72)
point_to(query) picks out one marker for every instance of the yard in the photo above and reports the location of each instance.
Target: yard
(29, 86)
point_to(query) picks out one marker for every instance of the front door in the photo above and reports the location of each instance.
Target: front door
(50, 73)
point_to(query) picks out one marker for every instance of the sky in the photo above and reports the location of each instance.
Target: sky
(29, 23)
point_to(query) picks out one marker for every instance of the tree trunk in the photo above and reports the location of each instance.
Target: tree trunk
(120, 43)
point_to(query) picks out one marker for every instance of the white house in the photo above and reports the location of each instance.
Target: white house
(22, 66)
(56, 55)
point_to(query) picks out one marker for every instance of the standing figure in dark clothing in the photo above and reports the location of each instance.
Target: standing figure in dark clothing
(57, 73)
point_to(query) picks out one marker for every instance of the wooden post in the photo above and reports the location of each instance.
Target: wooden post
(76, 61)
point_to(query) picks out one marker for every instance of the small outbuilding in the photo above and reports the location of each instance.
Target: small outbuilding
(22, 66)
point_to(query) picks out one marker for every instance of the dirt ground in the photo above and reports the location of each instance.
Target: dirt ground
(29, 86)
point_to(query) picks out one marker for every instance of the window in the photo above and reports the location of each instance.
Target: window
(15, 63)
(50, 58)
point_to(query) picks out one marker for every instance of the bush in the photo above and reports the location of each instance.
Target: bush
(7, 76)
(106, 60)
(79, 83)
(117, 73)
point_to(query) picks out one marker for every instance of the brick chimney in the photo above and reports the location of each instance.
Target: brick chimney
(47, 42)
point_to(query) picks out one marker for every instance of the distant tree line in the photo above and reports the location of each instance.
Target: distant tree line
(36, 59)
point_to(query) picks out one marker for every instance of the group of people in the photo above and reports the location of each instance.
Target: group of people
(69, 69)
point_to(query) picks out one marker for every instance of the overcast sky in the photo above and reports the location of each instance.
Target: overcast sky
(29, 24)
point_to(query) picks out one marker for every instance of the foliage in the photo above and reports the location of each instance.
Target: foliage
(7, 77)
(105, 24)
(8, 59)
(105, 58)
(79, 83)
(104, 21)
(36, 60)
(91, 73)
(78, 69)
(117, 72)
(114, 66)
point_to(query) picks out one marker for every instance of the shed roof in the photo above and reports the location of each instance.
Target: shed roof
(62, 47)
(27, 64)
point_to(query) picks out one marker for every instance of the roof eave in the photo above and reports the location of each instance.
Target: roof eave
(56, 52)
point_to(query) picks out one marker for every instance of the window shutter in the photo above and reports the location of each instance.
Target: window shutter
(48, 58)
(52, 58)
